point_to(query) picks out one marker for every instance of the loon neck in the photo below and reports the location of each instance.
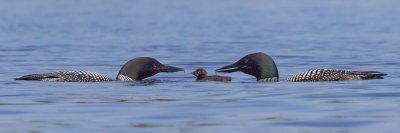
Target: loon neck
(268, 70)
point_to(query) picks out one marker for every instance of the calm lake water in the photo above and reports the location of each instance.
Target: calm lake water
(100, 35)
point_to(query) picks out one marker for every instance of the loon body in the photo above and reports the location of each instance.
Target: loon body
(201, 75)
(67, 76)
(334, 75)
(264, 69)
(135, 69)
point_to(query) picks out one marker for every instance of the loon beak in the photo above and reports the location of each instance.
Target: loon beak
(169, 69)
(229, 68)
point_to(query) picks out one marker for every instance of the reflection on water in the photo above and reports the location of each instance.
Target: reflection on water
(100, 36)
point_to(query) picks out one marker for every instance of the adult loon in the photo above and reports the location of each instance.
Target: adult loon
(201, 75)
(135, 69)
(263, 67)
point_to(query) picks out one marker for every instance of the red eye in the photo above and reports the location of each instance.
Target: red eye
(246, 60)
(154, 66)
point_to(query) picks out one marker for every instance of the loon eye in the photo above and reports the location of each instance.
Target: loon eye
(154, 66)
(246, 61)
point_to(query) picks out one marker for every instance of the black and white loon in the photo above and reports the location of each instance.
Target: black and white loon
(135, 69)
(264, 69)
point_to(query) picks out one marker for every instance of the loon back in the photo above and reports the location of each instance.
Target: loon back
(67, 76)
(334, 75)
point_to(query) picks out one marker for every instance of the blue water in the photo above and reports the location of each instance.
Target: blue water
(101, 35)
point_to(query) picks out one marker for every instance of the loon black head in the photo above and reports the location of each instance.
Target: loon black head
(200, 73)
(143, 67)
(260, 65)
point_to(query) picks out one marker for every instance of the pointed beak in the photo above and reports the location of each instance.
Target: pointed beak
(169, 69)
(229, 68)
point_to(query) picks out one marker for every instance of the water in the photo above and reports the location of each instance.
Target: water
(100, 36)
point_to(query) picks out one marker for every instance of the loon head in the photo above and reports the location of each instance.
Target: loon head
(200, 73)
(143, 67)
(259, 65)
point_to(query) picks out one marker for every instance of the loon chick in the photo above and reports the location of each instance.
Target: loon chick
(135, 69)
(264, 69)
(201, 75)
(259, 65)
(334, 75)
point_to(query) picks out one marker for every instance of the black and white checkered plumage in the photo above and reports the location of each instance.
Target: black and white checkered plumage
(274, 79)
(334, 75)
(67, 76)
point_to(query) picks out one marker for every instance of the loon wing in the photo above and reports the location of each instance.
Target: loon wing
(334, 75)
(67, 76)
(367, 74)
(39, 76)
(317, 75)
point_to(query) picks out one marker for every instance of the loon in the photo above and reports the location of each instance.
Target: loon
(135, 69)
(263, 67)
(201, 75)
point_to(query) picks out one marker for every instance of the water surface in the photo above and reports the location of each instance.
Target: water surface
(100, 36)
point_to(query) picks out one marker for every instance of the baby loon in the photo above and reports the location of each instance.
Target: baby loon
(135, 69)
(264, 69)
(201, 75)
